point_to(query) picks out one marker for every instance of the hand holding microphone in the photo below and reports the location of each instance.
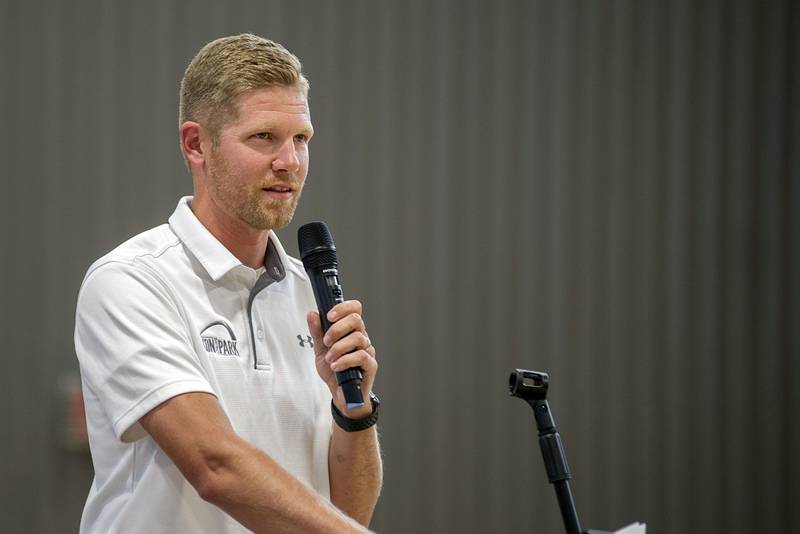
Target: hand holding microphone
(344, 354)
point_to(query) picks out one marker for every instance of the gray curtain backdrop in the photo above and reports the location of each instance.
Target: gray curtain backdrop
(605, 190)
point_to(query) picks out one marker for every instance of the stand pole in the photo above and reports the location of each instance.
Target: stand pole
(555, 462)
(532, 386)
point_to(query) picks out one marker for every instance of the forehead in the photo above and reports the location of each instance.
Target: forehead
(287, 106)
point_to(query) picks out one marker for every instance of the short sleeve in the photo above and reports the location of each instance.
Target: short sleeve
(132, 346)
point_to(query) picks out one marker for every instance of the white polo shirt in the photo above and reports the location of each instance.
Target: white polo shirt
(172, 311)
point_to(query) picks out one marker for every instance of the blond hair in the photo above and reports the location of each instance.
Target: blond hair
(227, 67)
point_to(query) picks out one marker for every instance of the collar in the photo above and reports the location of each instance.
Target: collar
(212, 255)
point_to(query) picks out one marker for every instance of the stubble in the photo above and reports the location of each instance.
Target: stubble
(249, 203)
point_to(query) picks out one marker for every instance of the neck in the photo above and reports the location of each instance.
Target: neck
(248, 244)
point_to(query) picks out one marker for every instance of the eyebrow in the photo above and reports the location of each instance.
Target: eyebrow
(256, 128)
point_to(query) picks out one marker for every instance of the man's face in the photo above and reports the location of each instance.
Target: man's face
(257, 169)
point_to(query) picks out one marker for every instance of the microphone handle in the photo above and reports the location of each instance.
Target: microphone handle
(328, 293)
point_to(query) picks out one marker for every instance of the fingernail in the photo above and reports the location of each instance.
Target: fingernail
(332, 315)
(328, 356)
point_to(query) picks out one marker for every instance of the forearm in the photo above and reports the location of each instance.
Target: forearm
(264, 497)
(356, 472)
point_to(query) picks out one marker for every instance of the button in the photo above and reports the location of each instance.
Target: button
(260, 334)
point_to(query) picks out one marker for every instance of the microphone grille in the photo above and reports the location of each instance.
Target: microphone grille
(315, 237)
(323, 259)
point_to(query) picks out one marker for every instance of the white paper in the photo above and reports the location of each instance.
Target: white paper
(633, 528)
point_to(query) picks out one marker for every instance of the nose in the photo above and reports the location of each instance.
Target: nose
(286, 160)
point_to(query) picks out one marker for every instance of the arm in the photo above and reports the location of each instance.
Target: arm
(119, 338)
(195, 433)
(355, 471)
(354, 463)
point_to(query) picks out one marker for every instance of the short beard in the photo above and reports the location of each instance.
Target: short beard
(272, 218)
(247, 205)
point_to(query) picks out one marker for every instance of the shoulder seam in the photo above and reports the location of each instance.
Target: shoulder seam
(147, 270)
(134, 260)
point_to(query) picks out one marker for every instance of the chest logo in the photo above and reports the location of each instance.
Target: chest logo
(305, 340)
(218, 337)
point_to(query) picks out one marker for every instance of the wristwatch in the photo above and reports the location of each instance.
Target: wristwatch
(356, 425)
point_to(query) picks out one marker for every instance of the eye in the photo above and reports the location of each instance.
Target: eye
(263, 135)
(301, 138)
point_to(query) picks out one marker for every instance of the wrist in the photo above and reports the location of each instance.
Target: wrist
(353, 413)
(360, 419)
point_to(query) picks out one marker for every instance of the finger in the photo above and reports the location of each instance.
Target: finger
(343, 327)
(315, 329)
(352, 342)
(359, 358)
(371, 349)
(344, 309)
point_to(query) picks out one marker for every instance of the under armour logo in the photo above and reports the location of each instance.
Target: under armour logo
(304, 341)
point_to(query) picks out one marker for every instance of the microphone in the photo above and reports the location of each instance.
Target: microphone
(319, 259)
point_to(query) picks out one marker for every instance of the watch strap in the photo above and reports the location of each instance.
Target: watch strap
(357, 425)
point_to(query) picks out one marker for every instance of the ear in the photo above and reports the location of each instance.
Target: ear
(191, 143)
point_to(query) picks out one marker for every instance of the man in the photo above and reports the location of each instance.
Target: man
(207, 380)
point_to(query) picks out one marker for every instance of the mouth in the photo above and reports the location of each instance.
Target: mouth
(279, 191)
(278, 188)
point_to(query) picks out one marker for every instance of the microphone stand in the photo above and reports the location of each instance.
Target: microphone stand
(531, 386)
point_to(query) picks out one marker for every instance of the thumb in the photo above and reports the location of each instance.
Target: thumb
(315, 329)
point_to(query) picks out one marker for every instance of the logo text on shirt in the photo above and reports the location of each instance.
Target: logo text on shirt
(218, 337)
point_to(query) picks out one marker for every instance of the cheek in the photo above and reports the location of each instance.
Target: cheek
(243, 166)
(303, 165)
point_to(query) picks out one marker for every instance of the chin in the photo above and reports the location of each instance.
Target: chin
(282, 223)
(271, 221)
